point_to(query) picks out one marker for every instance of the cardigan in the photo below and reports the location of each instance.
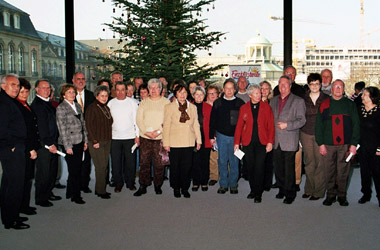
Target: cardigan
(265, 122)
(99, 122)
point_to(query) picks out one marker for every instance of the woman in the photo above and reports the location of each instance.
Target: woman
(315, 181)
(192, 85)
(255, 131)
(181, 131)
(150, 117)
(99, 128)
(201, 158)
(73, 137)
(266, 91)
(31, 145)
(369, 155)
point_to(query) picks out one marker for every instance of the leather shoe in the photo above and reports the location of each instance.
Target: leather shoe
(222, 190)
(28, 211)
(59, 186)
(158, 189)
(275, 185)
(22, 219)
(251, 195)
(86, 190)
(234, 190)
(298, 187)
(212, 182)
(305, 196)
(257, 199)
(177, 193)
(364, 199)
(78, 200)
(104, 196)
(314, 198)
(280, 196)
(195, 188)
(44, 204)
(204, 188)
(343, 201)
(141, 191)
(17, 225)
(132, 188)
(329, 201)
(117, 189)
(186, 193)
(55, 198)
(288, 200)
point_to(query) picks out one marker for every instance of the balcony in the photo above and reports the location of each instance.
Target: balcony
(34, 73)
(21, 73)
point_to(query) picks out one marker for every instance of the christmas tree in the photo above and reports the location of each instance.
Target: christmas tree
(162, 37)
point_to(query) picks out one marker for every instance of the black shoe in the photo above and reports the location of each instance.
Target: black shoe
(78, 200)
(251, 195)
(329, 201)
(222, 190)
(157, 189)
(17, 226)
(44, 204)
(212, 182)
(103, 196)
(177, 193)
(195, 188)
(186, 193)
(112, 184)
(28, 211)
(166, 178)
(267, 189)
(68, 196)
(343, 201)
(275, 185)
(298, 187)
(288, 200)
(204, 188)
(314, 198)
(59, 186)
(364, 199)
(280, 195)
(55, 198)
(234, 190)
(305, 196)
(132, 188)
(118, 189)
(86, 190)
(22, 219)
(141, 191)
(257, 199)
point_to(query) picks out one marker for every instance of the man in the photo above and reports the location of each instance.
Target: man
(337, 133)
(223, 120)
(84, 98)
(116, 76)
(47, 160)
(212, 95)
(131, 91)
(326, 81)
(125, 134)
(12, 154)
(242, 89)
(297, 90)
(289, 116)
(137, 82)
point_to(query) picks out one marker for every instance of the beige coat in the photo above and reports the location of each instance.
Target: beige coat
(177, 134)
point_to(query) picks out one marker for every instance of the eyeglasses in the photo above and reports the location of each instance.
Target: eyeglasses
(211, 93)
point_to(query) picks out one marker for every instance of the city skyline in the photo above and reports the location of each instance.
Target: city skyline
(328, 23)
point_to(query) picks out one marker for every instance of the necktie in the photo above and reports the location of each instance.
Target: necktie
(80, 101)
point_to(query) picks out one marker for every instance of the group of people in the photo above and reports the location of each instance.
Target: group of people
(197, 130)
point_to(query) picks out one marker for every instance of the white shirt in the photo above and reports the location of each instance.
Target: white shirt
(43, 98)
(124, 118)
(81, 94)
(72, 106)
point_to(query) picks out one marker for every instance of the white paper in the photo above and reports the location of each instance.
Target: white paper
(58, 152)
(350, 155)
(133, 148)
(239, 154)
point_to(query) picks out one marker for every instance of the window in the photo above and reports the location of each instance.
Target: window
(16, 20)
(11, 59)
(7, 20)
(1, 59)
(34, 62)
(21, 64)
(55, 69)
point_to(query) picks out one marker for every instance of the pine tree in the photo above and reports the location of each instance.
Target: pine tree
(162, 37)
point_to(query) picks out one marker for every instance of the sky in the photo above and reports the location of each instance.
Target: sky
(327, 22)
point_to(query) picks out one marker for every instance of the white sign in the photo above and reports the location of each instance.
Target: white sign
(251, 72)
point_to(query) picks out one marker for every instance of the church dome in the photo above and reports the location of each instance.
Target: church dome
(258, 40)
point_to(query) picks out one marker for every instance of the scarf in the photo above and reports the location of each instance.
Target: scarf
(184, 116)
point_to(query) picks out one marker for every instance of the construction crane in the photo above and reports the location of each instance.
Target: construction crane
(361, 43)
(275, 18)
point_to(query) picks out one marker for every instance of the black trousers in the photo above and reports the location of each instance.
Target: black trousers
(46, 174)
(123, 162)
(12, 185)
(74, 167)
(268, 173)
(284, 162)
(369, 169)
(28, 180)
(86, 170)
(180, 167)
(201, 166)
(255, 161)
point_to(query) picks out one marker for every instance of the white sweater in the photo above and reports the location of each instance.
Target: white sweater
(124, 119)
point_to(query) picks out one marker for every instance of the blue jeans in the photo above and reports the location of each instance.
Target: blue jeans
(225, 156)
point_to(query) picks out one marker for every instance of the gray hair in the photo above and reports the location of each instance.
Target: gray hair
(338, 80)
(199, 88)
(153, 81)
(287, 78)
(101, 88)
(252, 88)
(323, 70)
(4, 78)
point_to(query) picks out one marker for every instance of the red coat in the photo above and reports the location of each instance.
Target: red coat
(243, 131)
(206, 111)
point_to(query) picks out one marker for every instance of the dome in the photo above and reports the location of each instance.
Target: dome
(258, 40)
